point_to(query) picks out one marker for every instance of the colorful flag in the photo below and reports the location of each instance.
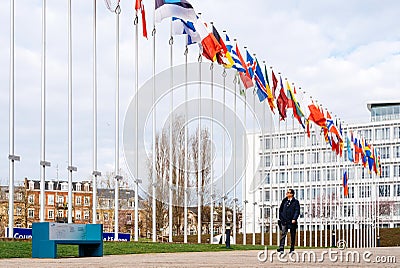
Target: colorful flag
(139, 6)
(237, 64)
(250, 64)
(345, 186)
(244, 76)
(260, 83)
(223, 56)
(180, 26)
(316, 116)
(349, 150)
(293, 103)
(174, 8)
(271, 97)
(282, 102)
(274, 84)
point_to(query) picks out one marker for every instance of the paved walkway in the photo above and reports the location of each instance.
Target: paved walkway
(378, 257)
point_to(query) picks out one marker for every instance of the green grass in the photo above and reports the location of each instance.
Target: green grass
(23, 249)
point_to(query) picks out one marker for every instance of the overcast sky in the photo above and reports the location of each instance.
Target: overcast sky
(342, 53)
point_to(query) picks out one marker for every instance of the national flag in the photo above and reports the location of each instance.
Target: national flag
(345, 186)
(282, 102)
(316, 116)
(174, 8)
(371, 159)
(270, 96)
(223, 56)
(140, 6)
(274, 84)
(244, 76)
(180, 26)
(349, 150)
(293, 103)
(237, 64)
(260, 83)
(330, 125)
(250, 64)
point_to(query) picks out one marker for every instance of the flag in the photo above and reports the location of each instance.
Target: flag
(274, 84)
(250, 64)
(292, 103)
(174, 8)
(139, 6)
(180, 26)
(223, 56)
(345, 186)
(271, 97)
(244, 76)
(260, 83)
(349, 151)
(282, 102)
(330, 125)
(316, 115)
(237, 64)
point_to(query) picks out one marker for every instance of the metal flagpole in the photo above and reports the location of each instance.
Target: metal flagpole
(43, 162)
(185, 220)
(170, 185)
(224, 196)
(199, 179)
(11, 155)
(262, 179)
(137, 180)
(244, 192)
(154, 170)
(71, 168)
(95, 173)
(211, 156)
(234, 166)
(254, 169)
(118, 177)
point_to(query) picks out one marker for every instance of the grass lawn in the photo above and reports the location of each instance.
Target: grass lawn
(23, 249)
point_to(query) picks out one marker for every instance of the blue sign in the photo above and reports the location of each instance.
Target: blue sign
(21, 233)
(26, 233)
(121, 237)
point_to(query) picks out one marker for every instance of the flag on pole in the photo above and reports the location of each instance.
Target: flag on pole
(260, 83)
(274, 83)
(244, 76)
(294, 104)
(223, 56)
(250, 64)
(174, 8)
(271, 97)
(180, 26)
(349, 150)
(140, 6)
(236, 61)
(282, 102)
(345, 186)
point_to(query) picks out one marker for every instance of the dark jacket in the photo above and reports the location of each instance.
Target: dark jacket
(289, 213)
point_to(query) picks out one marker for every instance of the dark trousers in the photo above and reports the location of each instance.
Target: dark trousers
(284, 231)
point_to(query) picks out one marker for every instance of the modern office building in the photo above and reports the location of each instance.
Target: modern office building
(290, 159)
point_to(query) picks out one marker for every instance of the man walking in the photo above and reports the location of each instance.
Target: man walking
(289, 211)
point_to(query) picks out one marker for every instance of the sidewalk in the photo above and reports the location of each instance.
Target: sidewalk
(225, 259)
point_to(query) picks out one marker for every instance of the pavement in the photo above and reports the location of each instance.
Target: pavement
(368, 257)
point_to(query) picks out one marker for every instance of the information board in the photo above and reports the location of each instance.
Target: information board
(67, 231)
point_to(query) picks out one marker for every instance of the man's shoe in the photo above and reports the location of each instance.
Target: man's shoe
(291, 251)
(280, 250)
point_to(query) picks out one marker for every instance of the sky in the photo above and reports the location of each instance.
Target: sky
(342, 53)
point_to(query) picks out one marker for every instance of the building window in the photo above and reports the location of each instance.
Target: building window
(396, 171)
(60, 214)
(384, 152)
(283, 142)
(86, 200)
(106, 216)
(97, 216)
(267, 196)
(78, 187)
(382, 133)
(129, 218)
(50, 214)
(384, 190)
(19, 197)
(50, 200)
(78, 200)
(50, 185)
(60, 200)
(87, 188)
(86, 215)
(397, 132)
(385, 171)
(268, 143)
(19, 211)
(31, 213)
(267, 160)
(298, 176)
(64, 187)
(364, 191)
(298, 141)
(31, 185)
(283, 160)
(314, 157)
(282, 177)
(267, 178)
(31, 199)
(131, 203)
(330, 174)
(298, 158)
(78, 214)
(397, 151)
